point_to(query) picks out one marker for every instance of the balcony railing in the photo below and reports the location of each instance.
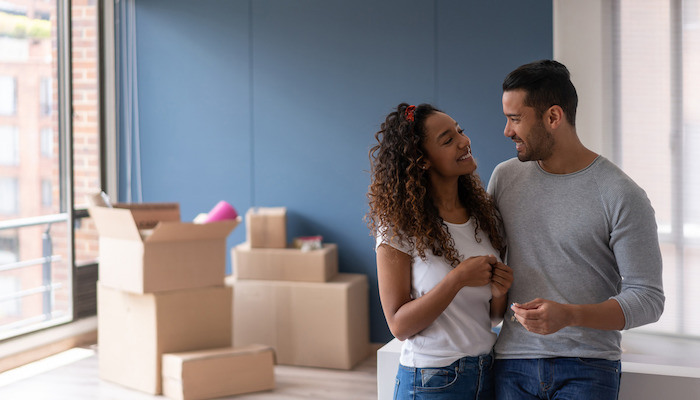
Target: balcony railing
(47, 287)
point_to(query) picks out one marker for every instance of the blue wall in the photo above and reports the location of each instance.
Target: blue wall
(276, 102)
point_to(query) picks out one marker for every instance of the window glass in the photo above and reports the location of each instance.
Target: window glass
(659, 120)
(46, 139)
(8, 91)
(36, 273)
(9, 200)
(9, 145)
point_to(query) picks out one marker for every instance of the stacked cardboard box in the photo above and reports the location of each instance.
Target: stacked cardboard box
(296, 301)
(161, 291)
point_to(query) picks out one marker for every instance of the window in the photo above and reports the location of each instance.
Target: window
(8, 95)
(9, 201)
(46, 193)
(657, 137)
(46, 142)
(46, 96)
(9, 145)
(9, 309)
(42, 15)
(9, 247)
(55, 73)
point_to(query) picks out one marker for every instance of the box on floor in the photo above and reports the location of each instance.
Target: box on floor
(135, 330)
(209, 374)
(285, 264)
(144, 248)
(266, 227)
(307, 323)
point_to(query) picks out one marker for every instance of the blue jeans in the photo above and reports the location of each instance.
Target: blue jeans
(466, 378)
(557, 378)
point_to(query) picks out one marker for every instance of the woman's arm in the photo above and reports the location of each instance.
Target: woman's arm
(500, 284)
(406, 316)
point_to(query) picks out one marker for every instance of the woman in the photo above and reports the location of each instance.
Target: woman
(441, 282)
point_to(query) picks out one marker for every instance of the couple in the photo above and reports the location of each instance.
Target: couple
(578, 235)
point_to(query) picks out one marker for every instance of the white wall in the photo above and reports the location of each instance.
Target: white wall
(583, 42)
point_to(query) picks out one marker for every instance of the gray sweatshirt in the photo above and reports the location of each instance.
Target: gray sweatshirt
(579, 238)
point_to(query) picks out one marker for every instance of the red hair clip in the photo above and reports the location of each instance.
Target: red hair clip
(410, 113)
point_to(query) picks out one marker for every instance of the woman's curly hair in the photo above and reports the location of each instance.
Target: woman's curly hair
(399, 195)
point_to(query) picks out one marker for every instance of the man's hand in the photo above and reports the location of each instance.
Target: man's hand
(543, 316)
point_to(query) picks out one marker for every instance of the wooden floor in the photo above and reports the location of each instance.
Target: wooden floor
(78, 380)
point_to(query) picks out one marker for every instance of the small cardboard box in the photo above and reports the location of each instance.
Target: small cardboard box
(285, 264)
(307, 323)
(209, 374)
(144, 248)
(135, 330)
(266, 227)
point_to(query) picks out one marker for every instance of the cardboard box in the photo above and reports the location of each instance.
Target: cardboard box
(266, 227)
(135, 330)
(285, 264)
(217, 373)
(148, 215)
(173, 255)
(307, 323)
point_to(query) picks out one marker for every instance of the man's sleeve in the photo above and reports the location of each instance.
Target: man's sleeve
(635, 243)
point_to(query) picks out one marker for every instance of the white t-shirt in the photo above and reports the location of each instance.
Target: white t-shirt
(464, 328)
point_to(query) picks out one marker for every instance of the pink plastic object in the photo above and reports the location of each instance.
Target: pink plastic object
(221, 211)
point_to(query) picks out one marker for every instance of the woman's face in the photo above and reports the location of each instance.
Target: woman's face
(448, 149)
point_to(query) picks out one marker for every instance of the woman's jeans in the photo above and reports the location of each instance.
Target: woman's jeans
(466, 378)
(557, 378)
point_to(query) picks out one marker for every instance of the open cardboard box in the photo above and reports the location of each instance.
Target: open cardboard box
(145, 248)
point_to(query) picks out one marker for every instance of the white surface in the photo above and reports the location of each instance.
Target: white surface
(387, 365)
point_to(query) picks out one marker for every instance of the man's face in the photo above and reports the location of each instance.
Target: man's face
(532, 140)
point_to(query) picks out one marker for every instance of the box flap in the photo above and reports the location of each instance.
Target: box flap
(148, 215)
(175, 231)
(115, 223)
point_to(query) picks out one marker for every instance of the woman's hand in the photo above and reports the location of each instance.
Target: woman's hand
(475, 271)
(407, 316)
(501, 280)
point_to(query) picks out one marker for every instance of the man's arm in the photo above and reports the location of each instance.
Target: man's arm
(546, 317)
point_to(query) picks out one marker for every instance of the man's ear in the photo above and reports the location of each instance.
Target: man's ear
(554, 117)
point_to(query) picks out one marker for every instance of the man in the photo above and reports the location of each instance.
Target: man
(582, 243)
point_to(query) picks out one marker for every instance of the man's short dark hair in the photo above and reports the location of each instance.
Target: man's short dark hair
(546, 83)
